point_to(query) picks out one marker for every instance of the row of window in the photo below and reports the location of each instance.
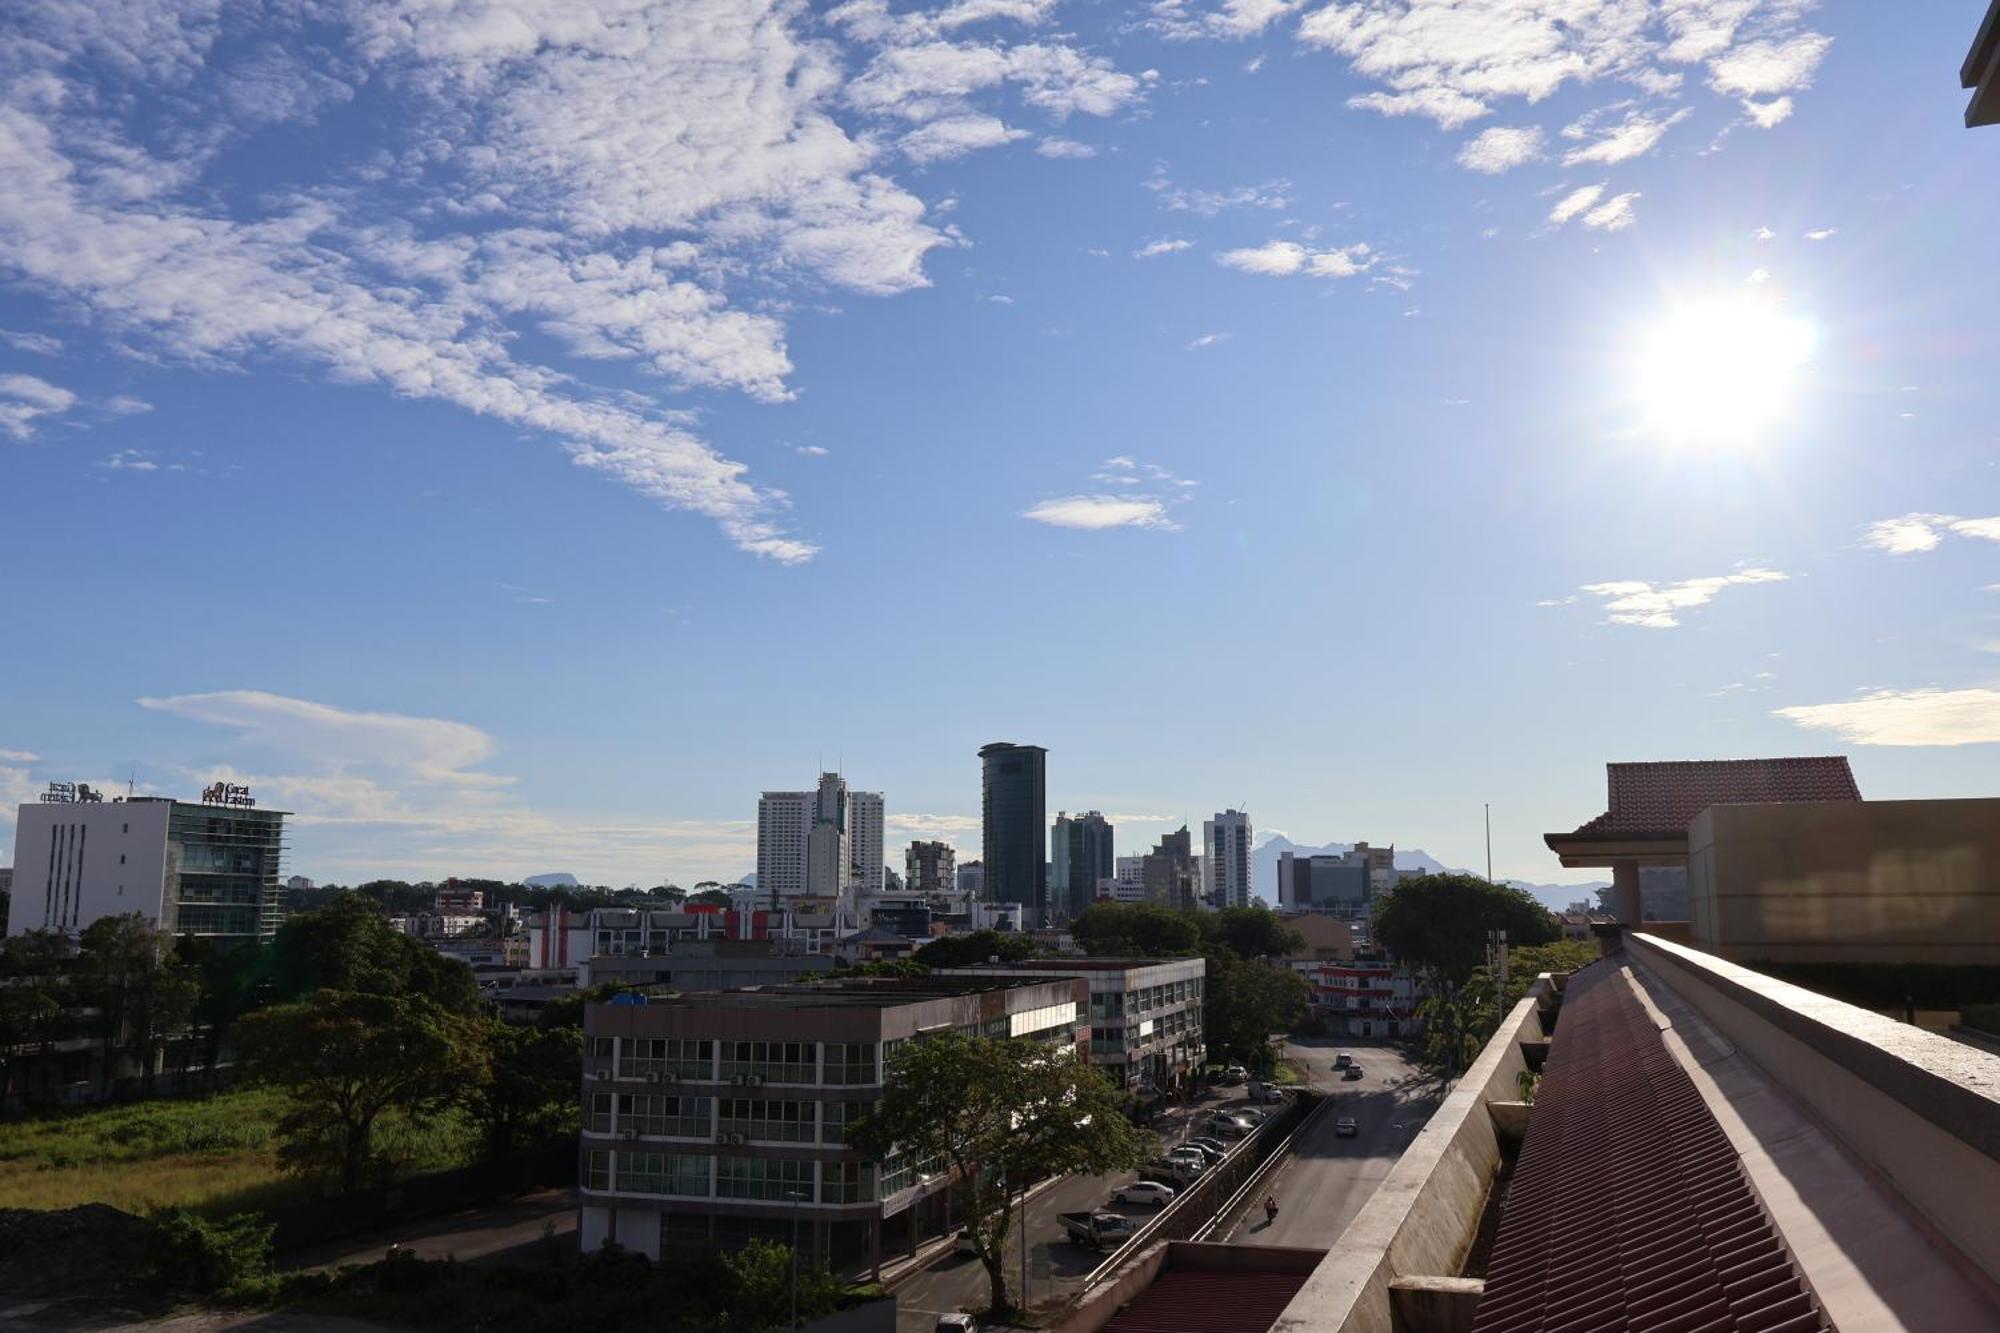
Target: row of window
(1116, 1004)
(706, 1176)
(770, 1120)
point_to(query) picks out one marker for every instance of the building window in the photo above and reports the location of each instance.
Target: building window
(835, 1117)
(681, 1057)
(847, 1182)
(664, 1173)
(771, 1061)
(770, 1121)
(849, 1063)
(597, 1170)
(772, 1178)
(666, 1117)
(597, 1115)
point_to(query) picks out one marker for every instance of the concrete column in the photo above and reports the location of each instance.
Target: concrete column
(1625, 893)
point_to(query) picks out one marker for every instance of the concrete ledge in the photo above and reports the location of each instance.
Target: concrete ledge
(1423, 1217)
(1436, 1304)
(1511, 1120)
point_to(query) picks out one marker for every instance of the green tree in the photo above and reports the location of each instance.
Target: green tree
(347, 1059)
(349, 945)
(229, 980)
(999, 1115)
(759, 1289)
(1137, 930)
(1249, 932)
(529, 1096)
(975, 948)
(142, 996)
(36, 997)
(709, 898)
(1246, 1001)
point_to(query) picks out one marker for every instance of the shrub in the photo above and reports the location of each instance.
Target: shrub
(225, 1257)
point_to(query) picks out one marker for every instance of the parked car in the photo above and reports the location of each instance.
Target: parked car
(1351, 1073)
(1343, 1060)
(957, 1323)
(1211, 1151)
(962, 1243)
(1345, 1127)
(1100, 1230)
(1233, 1075)
(1193, 1158)
(1150, 1192)
(1254, 1114)
(1228, 1127)
(1266, 1092)
(1179, 1173)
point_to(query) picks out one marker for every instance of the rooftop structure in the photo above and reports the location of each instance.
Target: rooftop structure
(1652, 804)
(1981, 72)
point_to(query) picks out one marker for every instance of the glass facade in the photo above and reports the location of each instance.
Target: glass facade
(1014, 810)
(222, 871)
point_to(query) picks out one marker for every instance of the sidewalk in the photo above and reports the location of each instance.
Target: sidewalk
(520, 1224)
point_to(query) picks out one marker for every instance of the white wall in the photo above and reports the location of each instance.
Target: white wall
(109, 859)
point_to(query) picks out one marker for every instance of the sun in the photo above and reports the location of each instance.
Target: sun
(1721, 371)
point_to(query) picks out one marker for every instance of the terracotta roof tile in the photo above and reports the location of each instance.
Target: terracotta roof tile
(1195, 1300)
(1662, 798)
(1629, 1209)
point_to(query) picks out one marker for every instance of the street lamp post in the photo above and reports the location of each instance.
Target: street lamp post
(796, 1198)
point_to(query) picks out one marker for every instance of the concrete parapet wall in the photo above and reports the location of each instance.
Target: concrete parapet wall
(1920, 1110)
(1421, 1220)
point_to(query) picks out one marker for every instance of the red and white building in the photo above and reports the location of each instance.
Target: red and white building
(1363, 997)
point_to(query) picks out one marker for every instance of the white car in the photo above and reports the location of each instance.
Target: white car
(957, 1323)
(1148, 1192)
(1345, 1128)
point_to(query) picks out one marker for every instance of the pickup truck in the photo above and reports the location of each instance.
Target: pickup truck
(1101, 1231)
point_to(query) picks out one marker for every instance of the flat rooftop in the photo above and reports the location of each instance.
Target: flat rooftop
(854, 993)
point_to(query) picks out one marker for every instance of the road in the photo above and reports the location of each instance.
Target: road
(1056, 1266)
(514, 1229)
(1328, 1178)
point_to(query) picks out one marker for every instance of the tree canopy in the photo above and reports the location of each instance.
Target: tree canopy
(349, 946)
(1438, 923)
(975, 948)
(999, 1115)
(1137, 930)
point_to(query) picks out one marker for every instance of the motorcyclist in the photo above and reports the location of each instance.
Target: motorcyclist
(1270, 1209)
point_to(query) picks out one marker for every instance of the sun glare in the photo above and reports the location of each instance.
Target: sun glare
(1721, 371)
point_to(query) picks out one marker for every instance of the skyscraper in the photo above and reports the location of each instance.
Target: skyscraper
(820, 843)
(1225, 859)
(1170, 876)
(1079, 856)
(1014, 808)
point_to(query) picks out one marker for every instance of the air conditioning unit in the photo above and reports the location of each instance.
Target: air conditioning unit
(602, 1076)
(737, 1080)
(753, 1080)
(658, 1078)
(736, 1139)
(723, 1138)
(628, 1134)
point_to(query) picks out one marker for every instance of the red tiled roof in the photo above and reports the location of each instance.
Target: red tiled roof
(1197, 1300)
(1629, 1211)
(1661, 799)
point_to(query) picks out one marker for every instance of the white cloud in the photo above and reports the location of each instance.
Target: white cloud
(1231, 20)
(1635, 136)
(25, 399)
(1059, 147)
(1906, 717)
(1758, 69)
(269, 725)
(1613, 214)
(1274, 194)
(1660, 605)
(130, 460)
(1763, 234)
(955, 136)
(1914, 533)
(1448, 107)
(41, 344)
(1766, 115)
(1163, 245)
(811, 450)
(124, 405)
(1207, 340)
(1575, 202)
(1096, 512)
(1822, 234)
(1284, 258)
(1501, 148)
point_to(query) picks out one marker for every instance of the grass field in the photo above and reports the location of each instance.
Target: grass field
(217, 1154)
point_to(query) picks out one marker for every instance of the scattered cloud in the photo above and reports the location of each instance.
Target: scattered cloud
(955, 136)
(1634, 136)
(1230, 20)
(26, 399)
(1095, 512)
(1057, 146)
(1822, 234)
(1575, 202)
(41, 344)
(1759, 69)
(1767, 115)
(1272, 194)
(1164, 245)
(1001, 300)
(1501, 148)
(811, 450)
(124, 405)
(1208, 340)
(1614, 214)
(1763, 234)
(524, 595)
(131, 460)
(1914, 533)
(1277, 259)
(1906, 717)
(1660, 605)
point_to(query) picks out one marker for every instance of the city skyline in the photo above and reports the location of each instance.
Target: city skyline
(1616, 394)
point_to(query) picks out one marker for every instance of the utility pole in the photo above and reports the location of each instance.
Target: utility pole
(1023, 1224)
(1489, 842)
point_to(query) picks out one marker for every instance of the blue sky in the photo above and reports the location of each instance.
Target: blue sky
(512, 435)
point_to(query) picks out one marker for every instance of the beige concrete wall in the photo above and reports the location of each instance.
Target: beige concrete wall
(1877, 881)
(1421, 1220)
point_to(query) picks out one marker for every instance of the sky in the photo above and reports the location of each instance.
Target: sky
(511, 435)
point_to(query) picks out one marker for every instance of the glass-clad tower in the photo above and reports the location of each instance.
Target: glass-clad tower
(1014, 810)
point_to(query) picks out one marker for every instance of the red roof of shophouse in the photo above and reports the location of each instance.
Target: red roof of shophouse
(1660, 799)
(1629, 1210)
(1198, 1300)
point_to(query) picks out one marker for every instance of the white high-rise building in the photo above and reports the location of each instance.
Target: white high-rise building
(864, 836)
(825, 843)
(1128, 884)
(1225, 859)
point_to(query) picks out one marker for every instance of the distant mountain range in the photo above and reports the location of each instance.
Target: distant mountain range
(561, 879)
(1264, 871)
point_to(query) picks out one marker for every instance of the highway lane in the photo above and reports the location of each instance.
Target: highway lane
(1328, 1179)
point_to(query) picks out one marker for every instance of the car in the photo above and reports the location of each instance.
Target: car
(957, 1323)
(1194, 1159)
(1225, 1127)
(1210, 1144)
(1236, 1074)
(1149, 1192)
(1266, 1092)
(1345, 1127)
(1211, 1153)
(1255, 1115)
(962, 1243)
(1350, 1073)
(1177, 1170)
(1343, 1060)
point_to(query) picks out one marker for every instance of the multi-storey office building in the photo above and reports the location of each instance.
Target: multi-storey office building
(1225, 859)
(1145, 1014)
(1172, 877)
(208, 870)
(819, 844)
(1080, 859)
(1014, 809)
(929, 868)
(711, 1120)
